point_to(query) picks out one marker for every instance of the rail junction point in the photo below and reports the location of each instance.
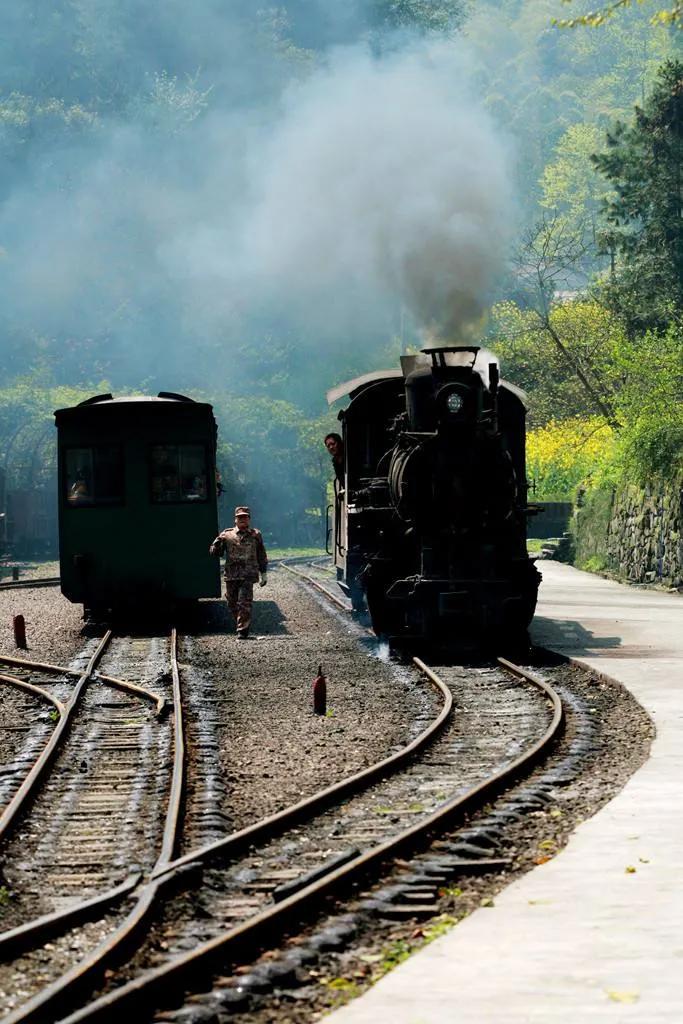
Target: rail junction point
(579, 939)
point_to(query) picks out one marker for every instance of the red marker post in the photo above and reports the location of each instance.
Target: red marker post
(19, 627)
(320, 693)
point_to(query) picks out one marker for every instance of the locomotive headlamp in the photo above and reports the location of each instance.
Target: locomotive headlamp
(454, 402)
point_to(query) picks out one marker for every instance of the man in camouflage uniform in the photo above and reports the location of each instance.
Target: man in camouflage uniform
(245, 562)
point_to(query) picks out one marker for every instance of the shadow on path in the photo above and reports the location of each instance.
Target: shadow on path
(567, 635)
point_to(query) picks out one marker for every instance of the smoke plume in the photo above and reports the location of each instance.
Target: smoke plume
(280, 200)
(384, 180)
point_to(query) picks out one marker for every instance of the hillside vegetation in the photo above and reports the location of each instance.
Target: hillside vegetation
(127, 142)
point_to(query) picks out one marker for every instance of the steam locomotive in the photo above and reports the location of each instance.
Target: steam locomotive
(429, 522)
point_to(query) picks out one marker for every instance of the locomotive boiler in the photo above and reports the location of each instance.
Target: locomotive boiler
(429, 522)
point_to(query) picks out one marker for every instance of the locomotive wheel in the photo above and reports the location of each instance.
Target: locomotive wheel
(96, 613)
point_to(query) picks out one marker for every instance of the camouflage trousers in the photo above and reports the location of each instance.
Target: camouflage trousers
(240, 597)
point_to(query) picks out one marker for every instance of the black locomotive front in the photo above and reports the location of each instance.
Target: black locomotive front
(430, 525)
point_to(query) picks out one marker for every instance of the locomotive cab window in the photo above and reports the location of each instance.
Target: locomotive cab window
(178, 473)
(94, 476)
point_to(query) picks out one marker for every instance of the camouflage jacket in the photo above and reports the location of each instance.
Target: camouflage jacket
(245, 554)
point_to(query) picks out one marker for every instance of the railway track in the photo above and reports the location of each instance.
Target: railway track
(47, 1004)
(77, 840)
(330, 594)
(44, 581)
(247, 903)
(275, 874)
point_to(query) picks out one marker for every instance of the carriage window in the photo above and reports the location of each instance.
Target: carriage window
(178, 473)
(94, 476)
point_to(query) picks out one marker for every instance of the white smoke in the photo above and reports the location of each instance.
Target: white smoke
(384, 178)
(372, 185)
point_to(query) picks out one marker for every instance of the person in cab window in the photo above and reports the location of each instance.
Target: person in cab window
(196, 491)
(246, 562)
(335, 447)
(78, 492)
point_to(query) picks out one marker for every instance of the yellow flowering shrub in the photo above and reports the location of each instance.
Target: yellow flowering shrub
(564, 453)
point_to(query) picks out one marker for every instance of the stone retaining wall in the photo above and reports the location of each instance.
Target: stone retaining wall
(633, 532)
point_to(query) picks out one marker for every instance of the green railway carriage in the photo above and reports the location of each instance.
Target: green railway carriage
(137, 502)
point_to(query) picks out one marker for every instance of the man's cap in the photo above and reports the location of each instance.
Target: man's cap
(243, 510)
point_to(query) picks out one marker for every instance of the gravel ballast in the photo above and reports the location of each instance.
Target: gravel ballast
(607, 738)
(273, 749)
(256, 746)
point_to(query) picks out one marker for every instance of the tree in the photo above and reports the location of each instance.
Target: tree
(644, 164)
(272, 458)
(423, 15)
(650, 403)
(571, 184)
(664, 16)
(551, 354)
(549, 262)
(539, 81)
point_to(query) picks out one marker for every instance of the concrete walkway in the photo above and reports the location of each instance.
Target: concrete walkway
(579, 939)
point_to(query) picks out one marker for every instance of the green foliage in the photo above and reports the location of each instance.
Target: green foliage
(645, 213)
(27, 435)
(642, 376)
(392, 955)
(571, 185)
(25, 119)
(590, 525)
(542, 81)
(170, 105)
(650, 445)
(526, 340)
(271, 457)
(440, 925)
(344, 989)
(425, 15)
(651, 449)
(664, 16)
(295, 552)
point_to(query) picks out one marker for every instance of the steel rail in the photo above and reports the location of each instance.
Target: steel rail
(26, 936)
(318, 586)
(281, 820)
(23, 937)
(44, 581)
(152, 988)
(118, 684)
(175, 800)
(37, 691)
(47, 1004)
(43, 1007)
(27, 788)
(278, 822)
